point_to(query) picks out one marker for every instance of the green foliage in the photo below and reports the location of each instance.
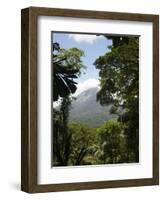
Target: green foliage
(119, 79)
(61, 135)
(112, 142)
(115, 141)
(81, 145)
(67, 66)
(70, 58)
(119, 72)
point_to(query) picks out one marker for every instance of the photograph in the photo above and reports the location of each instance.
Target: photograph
(95, 101)
(90, 99)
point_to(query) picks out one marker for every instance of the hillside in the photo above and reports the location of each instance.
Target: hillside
(86, 110)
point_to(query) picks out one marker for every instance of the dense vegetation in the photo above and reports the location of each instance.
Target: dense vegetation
(119, 73)
(116, 140)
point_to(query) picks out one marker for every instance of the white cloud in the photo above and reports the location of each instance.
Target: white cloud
(57, 103)
(84, 38)
(89, 83)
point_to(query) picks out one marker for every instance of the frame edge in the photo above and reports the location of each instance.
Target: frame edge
(156, 100)
(28, 101)
(24, 99)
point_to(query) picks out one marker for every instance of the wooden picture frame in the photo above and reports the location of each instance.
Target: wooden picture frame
(29, 112)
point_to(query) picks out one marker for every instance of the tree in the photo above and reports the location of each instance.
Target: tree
(81, 144)
(61, 136)
(67, 65)
(119, 80)
(112, 142)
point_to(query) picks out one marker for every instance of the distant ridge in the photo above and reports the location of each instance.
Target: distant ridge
(85, 109)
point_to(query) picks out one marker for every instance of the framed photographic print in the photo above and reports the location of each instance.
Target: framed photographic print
(90, 100)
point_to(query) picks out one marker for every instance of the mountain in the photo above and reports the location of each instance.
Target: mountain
(85, 109)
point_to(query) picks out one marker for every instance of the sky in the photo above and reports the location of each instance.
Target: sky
(93, 47)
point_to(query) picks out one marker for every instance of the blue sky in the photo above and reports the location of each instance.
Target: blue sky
(92, 45)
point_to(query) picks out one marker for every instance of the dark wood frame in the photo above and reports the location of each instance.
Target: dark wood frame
(29, 99)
